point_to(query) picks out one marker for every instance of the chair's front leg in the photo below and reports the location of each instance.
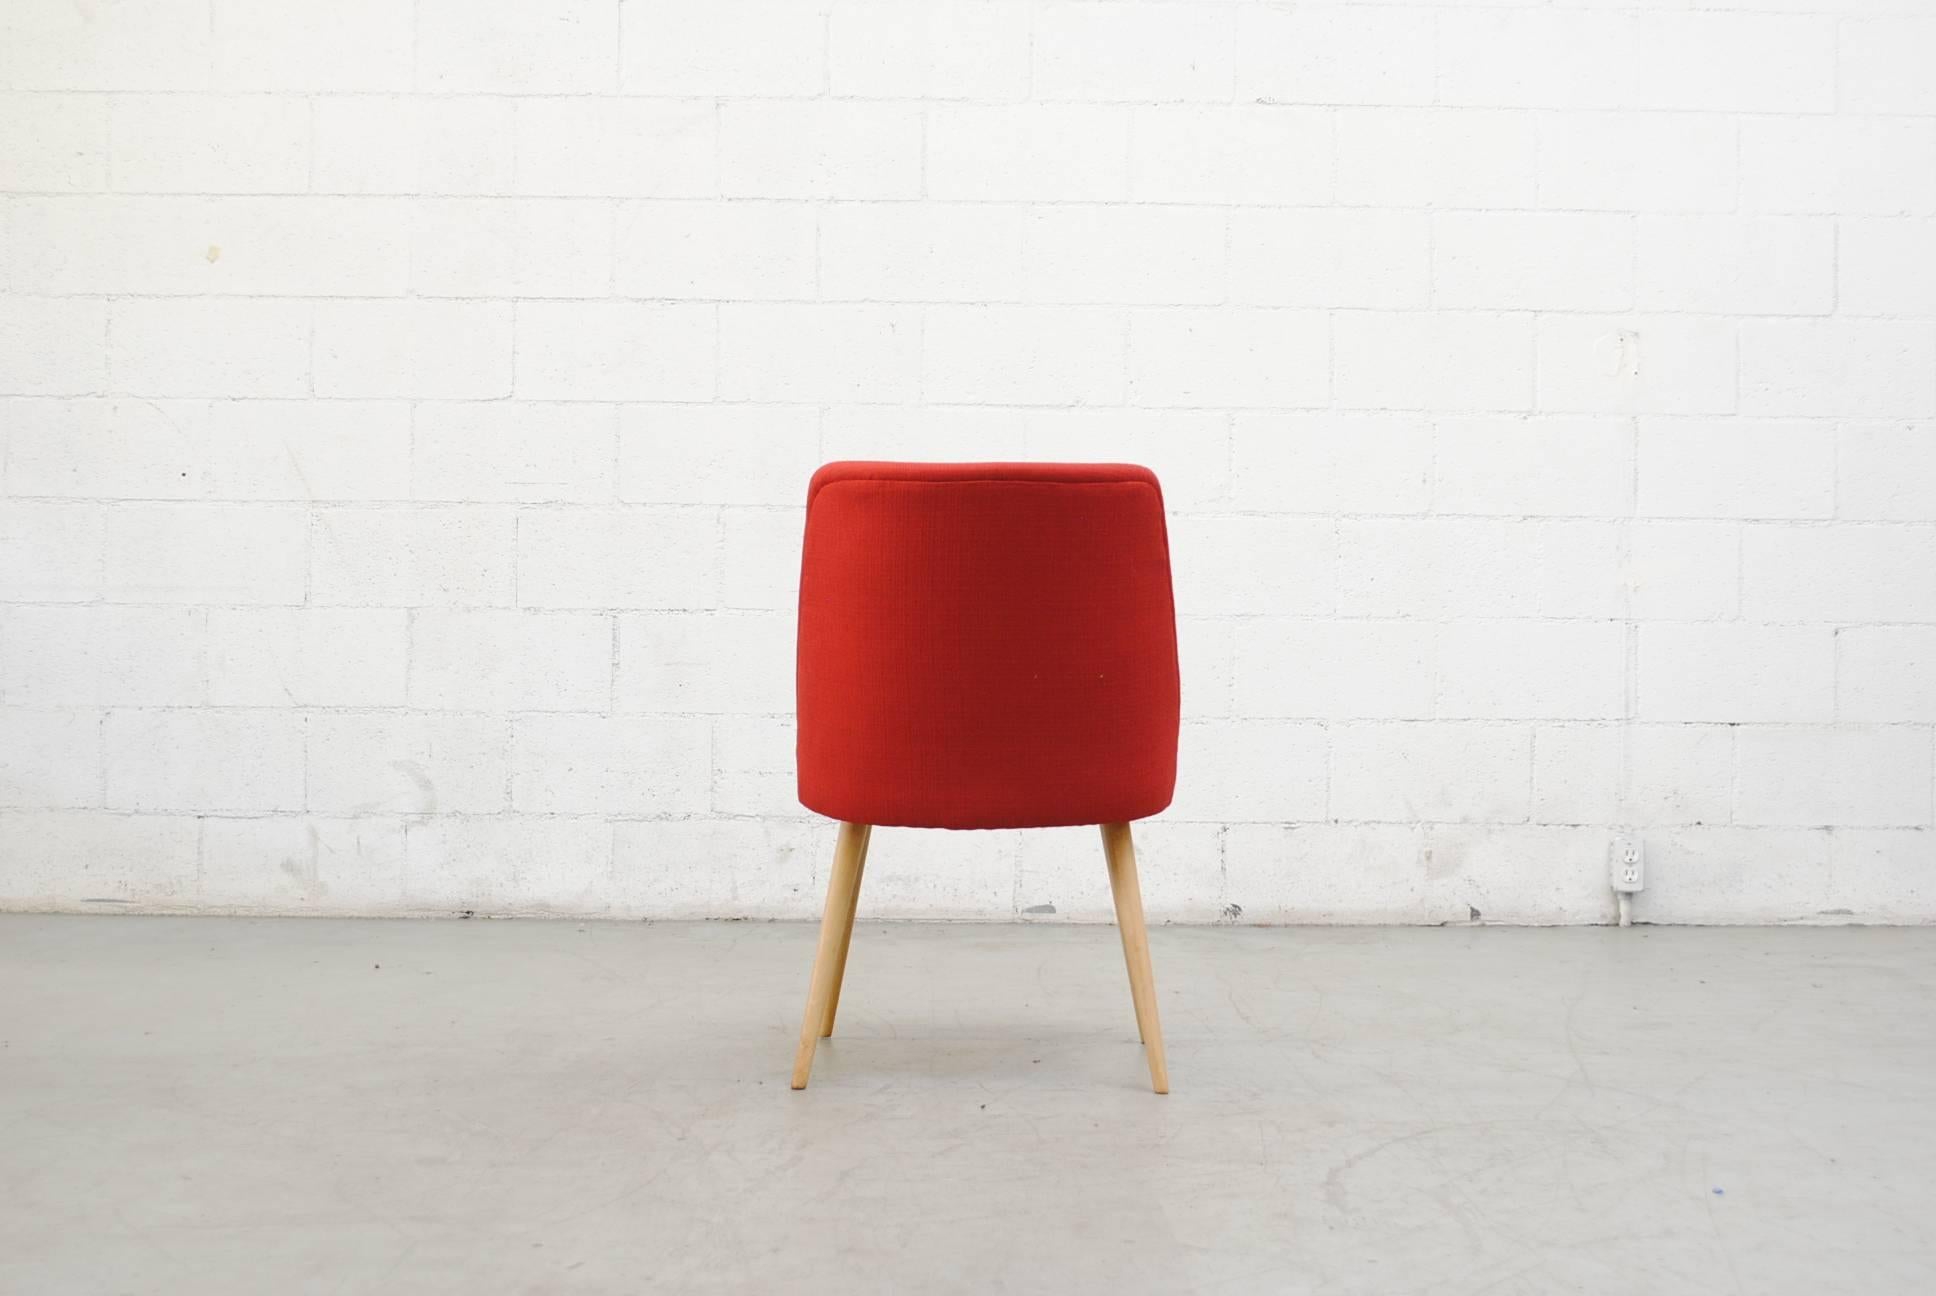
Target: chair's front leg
(836, 924)
(1120, 850)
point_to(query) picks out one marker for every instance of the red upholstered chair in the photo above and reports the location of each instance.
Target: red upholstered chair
(985, 646)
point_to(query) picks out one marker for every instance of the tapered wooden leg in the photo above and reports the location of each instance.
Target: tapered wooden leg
(1111, 843)
(842, 888)
(847, 932)
(1122, 929)
(1120, 851)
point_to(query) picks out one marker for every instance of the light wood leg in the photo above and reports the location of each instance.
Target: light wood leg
(1120, 851)
(1122, 923)
(842, 888)
(847, 932)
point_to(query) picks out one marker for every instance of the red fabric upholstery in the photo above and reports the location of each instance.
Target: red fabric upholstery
(986, 645)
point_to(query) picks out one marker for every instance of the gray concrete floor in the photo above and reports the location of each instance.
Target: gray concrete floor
(216, 1106)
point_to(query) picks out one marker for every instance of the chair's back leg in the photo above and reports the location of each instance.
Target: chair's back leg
(847, 932)
(1120, 851)
(1129, 953)
(843, 886)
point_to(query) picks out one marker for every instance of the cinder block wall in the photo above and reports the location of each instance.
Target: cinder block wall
(407, 409)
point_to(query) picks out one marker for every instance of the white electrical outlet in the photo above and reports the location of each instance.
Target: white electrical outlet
(1626, 868)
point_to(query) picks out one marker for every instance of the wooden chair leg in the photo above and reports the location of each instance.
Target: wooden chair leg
(842, 889)
(847, 932)
(1122, 930)
(1120, 851)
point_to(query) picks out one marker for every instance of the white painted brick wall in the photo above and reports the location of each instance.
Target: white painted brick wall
(406, 413)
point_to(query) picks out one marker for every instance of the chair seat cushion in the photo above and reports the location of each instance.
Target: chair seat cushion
(986, 645)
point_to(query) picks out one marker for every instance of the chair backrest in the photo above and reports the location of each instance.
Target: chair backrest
(986, 645)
